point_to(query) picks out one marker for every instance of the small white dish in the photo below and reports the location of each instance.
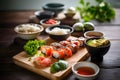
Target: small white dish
(85, 64)
(93, 34)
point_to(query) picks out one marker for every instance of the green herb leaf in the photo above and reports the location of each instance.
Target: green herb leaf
(82, 2)
(32, 46)
(100, 12)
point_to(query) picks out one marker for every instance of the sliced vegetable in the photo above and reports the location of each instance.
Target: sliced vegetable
(32, 46)
(58, 66)
(98, 42)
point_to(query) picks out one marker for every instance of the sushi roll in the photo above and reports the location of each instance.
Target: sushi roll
(73, 47)
(47, 50)
(58, 54)
(55, 54)
(56, 45)
(77, 43)
(68, 52)
(64, 43)
(81, 40)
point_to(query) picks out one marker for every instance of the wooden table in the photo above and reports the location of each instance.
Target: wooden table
(10, 46)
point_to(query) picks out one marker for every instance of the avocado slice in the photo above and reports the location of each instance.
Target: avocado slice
(55, 67)
(97, 42)
(63, 64)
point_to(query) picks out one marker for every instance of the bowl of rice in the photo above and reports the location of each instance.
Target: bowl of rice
(59, 32)
(28, 31)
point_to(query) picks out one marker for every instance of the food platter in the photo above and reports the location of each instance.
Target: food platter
(22, 60)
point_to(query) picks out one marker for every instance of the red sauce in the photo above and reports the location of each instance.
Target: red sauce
(85, 71)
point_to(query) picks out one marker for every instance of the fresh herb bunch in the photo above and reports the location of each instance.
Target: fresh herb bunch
(32, 46)
(101, 12)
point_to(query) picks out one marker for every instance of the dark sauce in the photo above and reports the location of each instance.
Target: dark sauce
(85, 71)
(93, 36)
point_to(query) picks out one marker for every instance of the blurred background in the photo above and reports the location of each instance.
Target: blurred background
(37, 4)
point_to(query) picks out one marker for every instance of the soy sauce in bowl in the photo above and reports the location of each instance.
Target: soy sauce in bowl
(85, 71)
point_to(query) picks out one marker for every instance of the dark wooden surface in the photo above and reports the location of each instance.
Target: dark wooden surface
(10, 45)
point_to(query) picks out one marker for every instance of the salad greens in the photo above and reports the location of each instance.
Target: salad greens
(32, 46)
(100, 12)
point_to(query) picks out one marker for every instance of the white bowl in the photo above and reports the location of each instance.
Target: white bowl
(42, 22)
(85, 64)
(93, 34)
(31, 35)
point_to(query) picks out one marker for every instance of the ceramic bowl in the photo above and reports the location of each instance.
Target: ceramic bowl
(85, 64)
(70, 12)
(69, 15)
(97, 53)
(93, 34)
(44, 14)
(54, 7)
(42, 22)
(57, 36)
(26, 32)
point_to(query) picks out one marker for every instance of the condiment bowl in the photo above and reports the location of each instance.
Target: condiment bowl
(45, 25)
(93, 34)
(97, 53)
(59, 32)
(28, 31)
(70, 12)
(85, 70)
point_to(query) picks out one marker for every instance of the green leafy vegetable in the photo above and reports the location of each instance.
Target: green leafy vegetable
(32, 46)
(101, 12)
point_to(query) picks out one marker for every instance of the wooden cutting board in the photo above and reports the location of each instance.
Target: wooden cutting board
(22, 60)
